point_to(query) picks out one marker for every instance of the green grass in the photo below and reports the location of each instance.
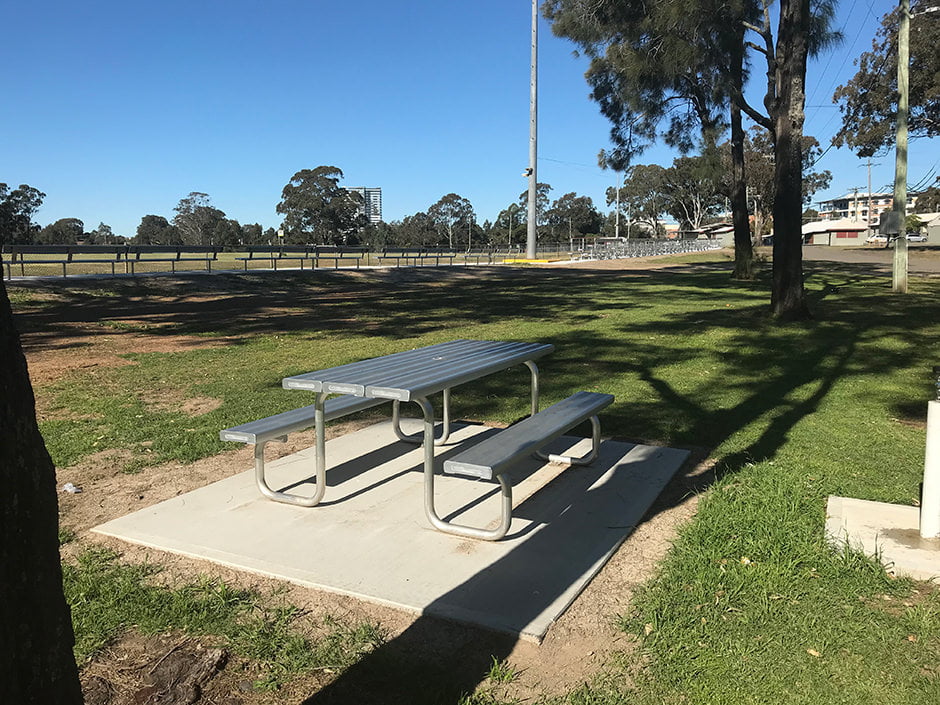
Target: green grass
(751, 605)
(108, 597)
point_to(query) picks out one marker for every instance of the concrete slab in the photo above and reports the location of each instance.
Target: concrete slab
(369, 537)
(889, 532)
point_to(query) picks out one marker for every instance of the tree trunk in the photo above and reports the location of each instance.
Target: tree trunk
(788, 299)
(743, 250)
(37, 665)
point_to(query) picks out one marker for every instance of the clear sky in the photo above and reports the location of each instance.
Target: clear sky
(117, 110)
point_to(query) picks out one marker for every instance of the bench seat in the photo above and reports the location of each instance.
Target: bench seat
(277, 427)
(493, 457)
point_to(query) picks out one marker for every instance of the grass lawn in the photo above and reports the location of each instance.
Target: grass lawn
(751, 605)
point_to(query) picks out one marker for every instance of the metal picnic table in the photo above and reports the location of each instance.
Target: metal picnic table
(414, 376)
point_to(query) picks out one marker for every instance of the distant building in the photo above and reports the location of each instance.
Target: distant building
(854, 206)
(372, 203)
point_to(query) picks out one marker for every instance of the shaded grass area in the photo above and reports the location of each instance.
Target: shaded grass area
(108, 597)
(751, 605)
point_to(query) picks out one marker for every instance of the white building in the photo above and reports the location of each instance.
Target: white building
(856, 206)
(372, 202)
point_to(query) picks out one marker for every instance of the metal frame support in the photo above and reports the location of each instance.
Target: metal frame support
(418, 439)
(429, 510)
(320, 465)
(587, 459)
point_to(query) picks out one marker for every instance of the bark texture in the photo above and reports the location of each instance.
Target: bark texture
(36, 638)
(788, 299)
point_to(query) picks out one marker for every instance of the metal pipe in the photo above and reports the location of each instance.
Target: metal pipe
(417, 439)
(431, 513)
(533, 368)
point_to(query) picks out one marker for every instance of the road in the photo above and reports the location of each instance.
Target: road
(921, 260)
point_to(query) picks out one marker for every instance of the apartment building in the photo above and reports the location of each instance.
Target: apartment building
(857, 206)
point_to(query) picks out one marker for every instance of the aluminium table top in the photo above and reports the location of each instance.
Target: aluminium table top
(420, 372)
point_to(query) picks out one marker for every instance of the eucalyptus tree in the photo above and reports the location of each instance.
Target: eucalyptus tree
(685, 62)
(38, 665)
(448, 212)
(317, 209)
(64, 231)
(541, 204)
(17, 208)
(156, 230)
(196, 219)
(692, 189)
(572, 215)
(869, 101)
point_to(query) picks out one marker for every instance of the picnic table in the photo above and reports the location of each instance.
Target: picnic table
(414, 376)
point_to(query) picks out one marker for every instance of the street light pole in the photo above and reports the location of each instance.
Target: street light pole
(899, 279)
(533, 135)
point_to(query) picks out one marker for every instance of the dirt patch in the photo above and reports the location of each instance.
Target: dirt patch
(576, 648)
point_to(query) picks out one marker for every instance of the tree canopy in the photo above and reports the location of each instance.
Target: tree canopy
(869, 102)
(17, 207)
(318, 210)
(196, 219)
(573, 215)
(448, 212)
(156, 230)
(65, 231)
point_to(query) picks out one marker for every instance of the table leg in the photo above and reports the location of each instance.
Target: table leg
(533, 368)
(418, 439)
(429, 510)
(320, 467)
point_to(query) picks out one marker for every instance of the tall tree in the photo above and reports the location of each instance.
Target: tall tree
(692, 189)
(869, 102)
(448, 212)
(17, 207)
(102, 235)
(573, 215)
(418, 230)
(761, 169)
(642, 197)
(650, 60)
(317, 209)
(196, 219)
(38, 665)
(541, 204)
(65, 231)
(156, 230)
(928, 201)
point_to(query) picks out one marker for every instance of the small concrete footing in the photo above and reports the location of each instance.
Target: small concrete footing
(888, 532)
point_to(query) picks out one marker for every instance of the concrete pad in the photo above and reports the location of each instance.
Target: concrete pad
(369, 537)
(888, 532)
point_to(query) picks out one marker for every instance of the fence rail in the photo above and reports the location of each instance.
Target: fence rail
(22, 261)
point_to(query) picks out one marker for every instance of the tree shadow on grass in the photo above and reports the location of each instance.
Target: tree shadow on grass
(770, 380)
(740, 397)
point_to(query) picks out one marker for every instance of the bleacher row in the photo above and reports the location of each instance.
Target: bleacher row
(127, 259)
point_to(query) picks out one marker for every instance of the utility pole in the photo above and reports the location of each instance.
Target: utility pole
(531, 233)
(899, 280)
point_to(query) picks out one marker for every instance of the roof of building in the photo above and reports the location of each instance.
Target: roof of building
(832, 226)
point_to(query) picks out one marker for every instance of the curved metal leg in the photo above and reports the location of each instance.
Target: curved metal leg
(320, 467)
(587, 459)
(419, 439)
(533, 368)
(429, 510)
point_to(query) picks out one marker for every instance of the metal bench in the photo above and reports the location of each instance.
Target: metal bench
(408, 254)
(144, 254)
(494, 457)
(340, 254)
(276, 428)
(278, 253)
(62, 255)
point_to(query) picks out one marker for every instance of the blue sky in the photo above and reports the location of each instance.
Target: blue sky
(117, 110)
